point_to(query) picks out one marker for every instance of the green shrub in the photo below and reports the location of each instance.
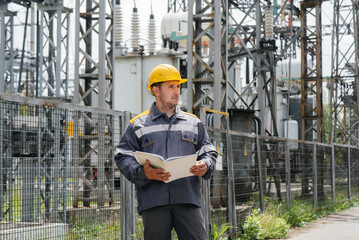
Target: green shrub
(252, 227)
(264, 226)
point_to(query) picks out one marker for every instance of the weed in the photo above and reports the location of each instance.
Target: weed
(219, 233)
(300, 213)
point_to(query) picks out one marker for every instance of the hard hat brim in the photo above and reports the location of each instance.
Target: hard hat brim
(182, 80)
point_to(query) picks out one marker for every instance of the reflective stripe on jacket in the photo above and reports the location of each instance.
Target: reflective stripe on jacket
(153, 132)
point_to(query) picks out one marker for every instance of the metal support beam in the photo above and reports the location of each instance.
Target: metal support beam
(259, 76)
(6, 50)
(215, 68)
(176, 6)
(53, 57)
(2, 47)
(311, 73)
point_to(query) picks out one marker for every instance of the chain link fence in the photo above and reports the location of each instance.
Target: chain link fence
(59, 180)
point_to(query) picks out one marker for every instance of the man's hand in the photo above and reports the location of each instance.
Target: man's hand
(154, 173)
(199, 169)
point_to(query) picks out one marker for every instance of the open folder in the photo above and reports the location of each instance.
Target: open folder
(178, 166)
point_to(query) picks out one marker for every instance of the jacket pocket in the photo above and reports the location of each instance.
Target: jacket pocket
(147, 141)
(189, 137)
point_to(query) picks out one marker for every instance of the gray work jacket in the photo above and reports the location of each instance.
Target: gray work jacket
(153, 132)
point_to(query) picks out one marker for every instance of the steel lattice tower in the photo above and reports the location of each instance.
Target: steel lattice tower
(93, 87)
(344, 115)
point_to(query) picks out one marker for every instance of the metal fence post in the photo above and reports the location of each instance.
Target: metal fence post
(1, 158)
(315, 176)
(76, 159)
(231, 197)
(333, 173)
(38, 165)
(287, 174)
(10, 161)
(206, 204)
(57, 167)
(260, 174)
(101, 162)
(349, 175)
(128, 215)
(65, 166)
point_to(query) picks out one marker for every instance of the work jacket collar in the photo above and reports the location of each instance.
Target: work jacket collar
(155, 113)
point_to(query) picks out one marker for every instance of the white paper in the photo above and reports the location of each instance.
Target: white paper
(178, 167)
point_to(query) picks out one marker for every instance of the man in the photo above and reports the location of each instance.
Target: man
(167, 131)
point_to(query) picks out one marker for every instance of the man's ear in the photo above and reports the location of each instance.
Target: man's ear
(155, 90)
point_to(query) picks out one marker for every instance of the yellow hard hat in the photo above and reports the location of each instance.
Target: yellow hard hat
(164, 73)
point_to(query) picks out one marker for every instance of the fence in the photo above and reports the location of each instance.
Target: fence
(59, 181)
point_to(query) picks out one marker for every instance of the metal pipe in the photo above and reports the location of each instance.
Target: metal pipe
(259, 124)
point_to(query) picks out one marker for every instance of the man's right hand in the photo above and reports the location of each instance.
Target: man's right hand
(154, 173)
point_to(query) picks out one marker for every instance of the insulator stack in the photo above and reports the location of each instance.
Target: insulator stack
(118, 25)
(135, 31)
(269, 23)
(152, 35)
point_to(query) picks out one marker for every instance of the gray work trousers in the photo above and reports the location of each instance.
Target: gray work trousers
(186, 219)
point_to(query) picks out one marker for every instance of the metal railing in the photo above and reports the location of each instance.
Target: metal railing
(59, 181)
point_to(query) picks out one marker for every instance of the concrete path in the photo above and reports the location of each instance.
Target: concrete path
(341, 226)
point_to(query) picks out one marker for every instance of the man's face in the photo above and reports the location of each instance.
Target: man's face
(168, 93)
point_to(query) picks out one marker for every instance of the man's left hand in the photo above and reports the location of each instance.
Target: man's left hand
(199, 169)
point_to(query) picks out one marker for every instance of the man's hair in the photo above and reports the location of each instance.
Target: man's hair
(158, 84)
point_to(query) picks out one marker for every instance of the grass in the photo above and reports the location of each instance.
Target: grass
(107, 231)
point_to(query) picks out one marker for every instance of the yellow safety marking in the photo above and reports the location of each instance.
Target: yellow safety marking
(140, 115)
(215, 111)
